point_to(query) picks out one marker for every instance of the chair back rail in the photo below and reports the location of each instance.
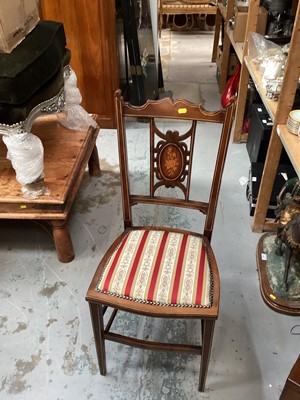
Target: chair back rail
(171, 154)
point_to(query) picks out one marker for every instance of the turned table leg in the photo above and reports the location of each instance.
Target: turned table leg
(62, 241)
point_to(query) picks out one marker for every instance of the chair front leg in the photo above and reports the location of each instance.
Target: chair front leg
(97, 312)
(207, 338)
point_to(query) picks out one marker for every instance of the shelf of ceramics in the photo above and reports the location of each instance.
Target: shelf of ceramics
(291, 143)
(270, 105)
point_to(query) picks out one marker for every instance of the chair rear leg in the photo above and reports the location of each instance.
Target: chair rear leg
(97, 312)
(207, 338)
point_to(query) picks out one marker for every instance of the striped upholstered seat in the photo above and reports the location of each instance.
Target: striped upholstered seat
(161, 268)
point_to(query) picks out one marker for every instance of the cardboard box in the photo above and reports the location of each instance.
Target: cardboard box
(232, 61)
(240, 23)
(17, 19)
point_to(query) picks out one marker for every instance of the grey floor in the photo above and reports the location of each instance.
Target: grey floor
(47, 349)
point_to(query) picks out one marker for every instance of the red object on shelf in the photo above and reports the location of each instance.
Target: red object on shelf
(231, 87)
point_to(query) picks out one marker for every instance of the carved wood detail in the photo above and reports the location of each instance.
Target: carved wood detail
(172, 158)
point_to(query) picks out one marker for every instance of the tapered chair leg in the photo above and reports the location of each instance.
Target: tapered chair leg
(207, 338)
(98, 329)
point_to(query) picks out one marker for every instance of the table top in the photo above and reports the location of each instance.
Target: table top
(66, 153)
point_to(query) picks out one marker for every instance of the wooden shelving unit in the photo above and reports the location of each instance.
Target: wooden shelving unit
(223, 10)
(241, 49)
(291, 143)
(280, 137)
(270, 105)
(238, 134)
(238, 46)
(223, 15)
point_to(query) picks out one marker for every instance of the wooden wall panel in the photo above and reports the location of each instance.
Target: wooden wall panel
(90, 28)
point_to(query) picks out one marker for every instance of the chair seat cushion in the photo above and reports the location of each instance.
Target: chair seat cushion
(161, 268)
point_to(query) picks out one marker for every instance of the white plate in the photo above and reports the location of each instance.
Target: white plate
(295, 115)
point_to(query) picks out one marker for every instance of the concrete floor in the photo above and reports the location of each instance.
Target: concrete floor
(47, 349)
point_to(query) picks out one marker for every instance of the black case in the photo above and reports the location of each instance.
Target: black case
(259, 135)
(284, 172)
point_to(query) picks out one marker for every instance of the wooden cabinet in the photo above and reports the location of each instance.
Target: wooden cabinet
(90, 28)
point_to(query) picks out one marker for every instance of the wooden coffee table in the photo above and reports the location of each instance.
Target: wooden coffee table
(66, 156)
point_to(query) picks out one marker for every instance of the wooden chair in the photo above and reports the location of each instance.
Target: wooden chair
(160, 271)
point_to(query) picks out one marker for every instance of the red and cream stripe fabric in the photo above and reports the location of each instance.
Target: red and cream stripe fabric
(159, 267)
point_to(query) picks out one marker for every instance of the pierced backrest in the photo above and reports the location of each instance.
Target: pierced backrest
(171, 154)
